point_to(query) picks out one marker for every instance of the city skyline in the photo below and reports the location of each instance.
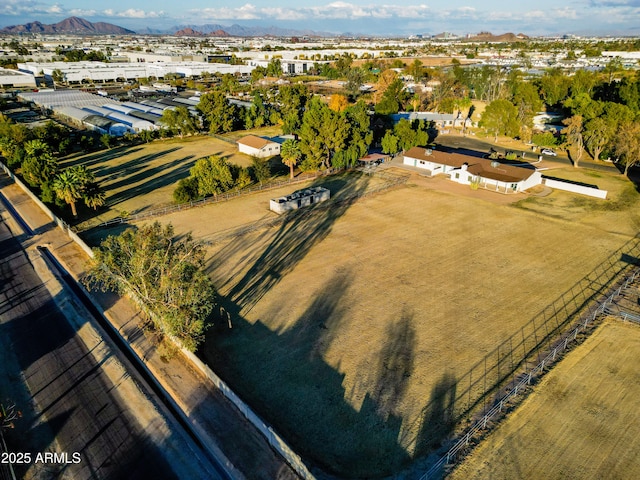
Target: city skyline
(369, 17)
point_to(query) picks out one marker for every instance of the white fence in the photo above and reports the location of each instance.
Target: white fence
(575, 188)
(562, 344)
(272, 437)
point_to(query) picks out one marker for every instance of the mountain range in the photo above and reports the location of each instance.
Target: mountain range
(72, 25)
(80, 26)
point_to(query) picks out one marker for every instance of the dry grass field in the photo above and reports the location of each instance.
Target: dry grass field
(579, 423)
(359, 327)
(355, 328)
(144, 176)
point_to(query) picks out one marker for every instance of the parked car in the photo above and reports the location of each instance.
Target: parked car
(548, 151)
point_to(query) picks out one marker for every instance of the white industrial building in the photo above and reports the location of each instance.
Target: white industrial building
(16, 79)
(79, 72)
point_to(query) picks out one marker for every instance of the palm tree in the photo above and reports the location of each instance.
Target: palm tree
(93, 197)
(290, 154)
(70, 184)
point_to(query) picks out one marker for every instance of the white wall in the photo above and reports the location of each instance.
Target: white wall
(572, 187)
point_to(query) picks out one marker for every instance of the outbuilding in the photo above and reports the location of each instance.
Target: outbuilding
(258, 146)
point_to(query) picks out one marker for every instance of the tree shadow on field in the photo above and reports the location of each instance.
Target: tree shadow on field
(395, 364)
(298, 233)
(438, 420)
(99, 157)
(158, 177)
(128, 169)
(286, 379)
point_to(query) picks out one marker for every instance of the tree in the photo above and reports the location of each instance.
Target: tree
(627, 145)
(69, 186)
(392, 99)
(597, 135)
(214, 175)
(186, 191)
(323, 132)
(554, 86)
(106, 140)
(290, 154)
(179, 121)
(260, 169)
(39, 165)
(220, 116)
(358, 136)
(165, 276)
(500, 118)
(93, 196)
(390, 143)
(338, 102)
(573, 132)
(416, 70)
(292, 101)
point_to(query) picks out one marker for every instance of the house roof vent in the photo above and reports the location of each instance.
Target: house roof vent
(428, 151)
(495, 164)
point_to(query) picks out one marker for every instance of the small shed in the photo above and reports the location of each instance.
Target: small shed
(299, 199)
(373, 159)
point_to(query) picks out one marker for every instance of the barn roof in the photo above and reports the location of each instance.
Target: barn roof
(255, 141)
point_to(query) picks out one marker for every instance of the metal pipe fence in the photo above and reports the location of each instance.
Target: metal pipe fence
(223, 197)
(566, 341)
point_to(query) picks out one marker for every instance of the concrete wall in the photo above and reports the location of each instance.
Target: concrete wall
(61, 223)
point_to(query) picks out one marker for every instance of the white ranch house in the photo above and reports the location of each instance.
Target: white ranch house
(469, 170)
(258, 146)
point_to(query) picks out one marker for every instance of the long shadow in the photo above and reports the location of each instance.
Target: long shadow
(173, 172)
(298, 233)
(134, 170)
(286, 379)
(99, 157)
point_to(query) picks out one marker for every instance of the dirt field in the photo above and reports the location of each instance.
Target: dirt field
(355, 327)
(579, 423)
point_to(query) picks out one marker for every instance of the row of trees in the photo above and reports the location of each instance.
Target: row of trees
(603, 114)
(213, 175)
(30, 152)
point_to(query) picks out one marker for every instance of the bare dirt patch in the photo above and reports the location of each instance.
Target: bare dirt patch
(578, 423)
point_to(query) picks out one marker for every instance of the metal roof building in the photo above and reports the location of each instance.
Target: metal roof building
(53, 99)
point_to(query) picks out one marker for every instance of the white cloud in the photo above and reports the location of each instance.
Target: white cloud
(245, 12)
(133, 13)
(333, 10)
(28, 7)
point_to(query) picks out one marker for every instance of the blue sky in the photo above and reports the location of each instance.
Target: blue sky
(378, 17)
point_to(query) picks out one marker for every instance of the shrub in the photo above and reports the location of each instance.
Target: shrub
(186, 191)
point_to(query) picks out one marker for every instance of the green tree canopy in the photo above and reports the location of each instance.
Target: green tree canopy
(220, 116)
(163, 275)
(290, 154)
(214, 175)
(500, 118)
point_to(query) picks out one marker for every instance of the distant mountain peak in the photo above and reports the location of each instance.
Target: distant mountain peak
(71, 25)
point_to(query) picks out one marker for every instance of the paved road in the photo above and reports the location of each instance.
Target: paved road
(75, 396)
